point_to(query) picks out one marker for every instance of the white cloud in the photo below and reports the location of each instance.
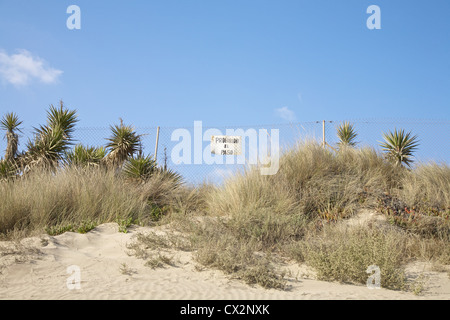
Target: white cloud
(286, 114)
(22, 67)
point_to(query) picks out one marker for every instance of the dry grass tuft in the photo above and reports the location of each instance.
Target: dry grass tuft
(79, 199)
(344, 254)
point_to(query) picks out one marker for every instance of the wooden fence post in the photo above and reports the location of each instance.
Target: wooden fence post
(157, 141)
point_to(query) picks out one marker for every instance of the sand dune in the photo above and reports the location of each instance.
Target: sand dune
(38, 269)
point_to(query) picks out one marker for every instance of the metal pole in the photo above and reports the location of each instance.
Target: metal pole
(323, 134)
(157, 141)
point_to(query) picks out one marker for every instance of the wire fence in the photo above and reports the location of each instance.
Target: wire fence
(187, 149)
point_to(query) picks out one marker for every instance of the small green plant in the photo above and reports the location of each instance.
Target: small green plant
(83, 227)
(399, 146)
(86, 226)
(59, 229)
(124, 224)
(156, 213)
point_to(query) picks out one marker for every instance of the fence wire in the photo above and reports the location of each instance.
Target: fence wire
(433, 138)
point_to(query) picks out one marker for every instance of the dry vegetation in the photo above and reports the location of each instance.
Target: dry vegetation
(251, 223)
(75, 199)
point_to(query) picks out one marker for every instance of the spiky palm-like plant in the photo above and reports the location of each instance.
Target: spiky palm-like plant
(52, 140)
(174, 176)
(60, 117)
(399, 146)
(139, 168)
(123, 144)
(346, 134)
(82, 156)
(144, 167)
(46, 149)
(8, 169)
(10, 123)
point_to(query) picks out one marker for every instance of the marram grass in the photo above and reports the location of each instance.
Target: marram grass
(251, 223)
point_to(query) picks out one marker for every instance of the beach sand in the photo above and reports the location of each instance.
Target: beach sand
(42, 268)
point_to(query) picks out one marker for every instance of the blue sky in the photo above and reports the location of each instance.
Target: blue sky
(169, 63)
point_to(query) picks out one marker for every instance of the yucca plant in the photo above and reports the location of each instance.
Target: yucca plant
(52, 140)
(139, 168)
(8, 169)
(123, 144)
(169, 174)
(46, 149)
(62, 118)
(399, 146)
(84, 156)
(10, 123)
(346, 134)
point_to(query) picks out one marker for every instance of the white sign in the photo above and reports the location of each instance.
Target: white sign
(226, 145)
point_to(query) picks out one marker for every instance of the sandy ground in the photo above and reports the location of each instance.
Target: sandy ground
(41, 269)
